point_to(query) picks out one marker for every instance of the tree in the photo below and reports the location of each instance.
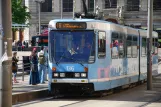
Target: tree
(19, 12)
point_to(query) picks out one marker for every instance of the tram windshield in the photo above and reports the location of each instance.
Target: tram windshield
(72, 46)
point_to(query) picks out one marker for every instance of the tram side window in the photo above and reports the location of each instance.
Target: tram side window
(121, 45)
(117, 45)
(101, 44)
(134, 47)
(144, 47)
(155, 46)
(129, 46)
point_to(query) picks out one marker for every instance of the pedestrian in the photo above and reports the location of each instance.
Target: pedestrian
(41, 65)
(14, 66)
(34, 75)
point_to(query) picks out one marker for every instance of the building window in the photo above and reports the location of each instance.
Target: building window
(90, 5)
(101, 44)
(133, 5)
(157, 5)
(110, 4)
(67, 5)
(46, 6)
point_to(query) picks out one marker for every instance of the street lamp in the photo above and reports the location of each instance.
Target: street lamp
(149, 46)
(74, 8)
(39, 6)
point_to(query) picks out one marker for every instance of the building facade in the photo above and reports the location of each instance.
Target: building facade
(128, 12)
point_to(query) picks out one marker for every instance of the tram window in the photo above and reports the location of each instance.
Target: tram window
(155, 46)
(129, 46)
(121, 46)
(115, 42)
(144, 47)
(117, 45)
(134, 47)
(101, 44)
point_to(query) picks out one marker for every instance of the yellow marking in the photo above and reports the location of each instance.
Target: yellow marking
(55, 80)
(82, 80)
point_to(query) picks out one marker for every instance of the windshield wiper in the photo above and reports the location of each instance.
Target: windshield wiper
(60, 59)
(74, 60)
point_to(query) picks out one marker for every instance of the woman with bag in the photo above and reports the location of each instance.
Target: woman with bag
(14, 66)
(34, 75)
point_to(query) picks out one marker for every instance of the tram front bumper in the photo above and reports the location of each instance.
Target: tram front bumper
(69, 80)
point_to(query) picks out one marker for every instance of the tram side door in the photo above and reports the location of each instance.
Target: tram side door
(102, 62)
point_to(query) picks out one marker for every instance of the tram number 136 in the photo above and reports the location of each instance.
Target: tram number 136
(70, 68)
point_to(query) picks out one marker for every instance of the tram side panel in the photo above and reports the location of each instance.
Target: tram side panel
(118, 60)
(99, 71)
(143, 57)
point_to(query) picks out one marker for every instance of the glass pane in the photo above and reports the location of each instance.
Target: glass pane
(144, 47)
(110, 4)
(134, 47)
(129, 46)
(72, 46)
(101, 44)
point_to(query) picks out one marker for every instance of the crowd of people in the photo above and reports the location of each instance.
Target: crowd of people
(38, 64)
(20, 45)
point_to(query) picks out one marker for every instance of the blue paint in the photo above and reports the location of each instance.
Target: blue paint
(118, 75)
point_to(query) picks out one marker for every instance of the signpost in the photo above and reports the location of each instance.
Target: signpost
(6, 54)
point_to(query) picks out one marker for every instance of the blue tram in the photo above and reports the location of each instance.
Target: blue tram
(94, 55)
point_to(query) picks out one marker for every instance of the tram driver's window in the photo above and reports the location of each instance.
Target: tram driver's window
(101, 44)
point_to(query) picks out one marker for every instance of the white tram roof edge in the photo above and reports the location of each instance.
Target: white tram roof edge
(142, 31)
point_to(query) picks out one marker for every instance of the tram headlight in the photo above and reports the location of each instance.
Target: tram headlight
(83, 75)
(54, 69)
(77, 75)
(56, 74)
(62, 74)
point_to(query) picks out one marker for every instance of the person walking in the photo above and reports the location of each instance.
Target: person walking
(41, 65)
(14, 66)
(34, 75)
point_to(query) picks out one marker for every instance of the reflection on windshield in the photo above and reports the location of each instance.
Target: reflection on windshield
(78, 45)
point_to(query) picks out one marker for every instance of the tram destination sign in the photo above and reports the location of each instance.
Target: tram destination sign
(71, 25)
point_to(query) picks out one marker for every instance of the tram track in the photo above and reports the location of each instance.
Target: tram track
(103, 93)
(95, 96)
(153, 101)
(120, 96)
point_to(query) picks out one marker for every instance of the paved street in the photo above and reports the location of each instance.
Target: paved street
(134, 97)
(23, 86)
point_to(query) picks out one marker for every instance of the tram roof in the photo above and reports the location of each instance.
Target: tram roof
(72, 20)
(92, 20)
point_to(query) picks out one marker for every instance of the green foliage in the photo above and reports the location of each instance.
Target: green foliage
(19, 12)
